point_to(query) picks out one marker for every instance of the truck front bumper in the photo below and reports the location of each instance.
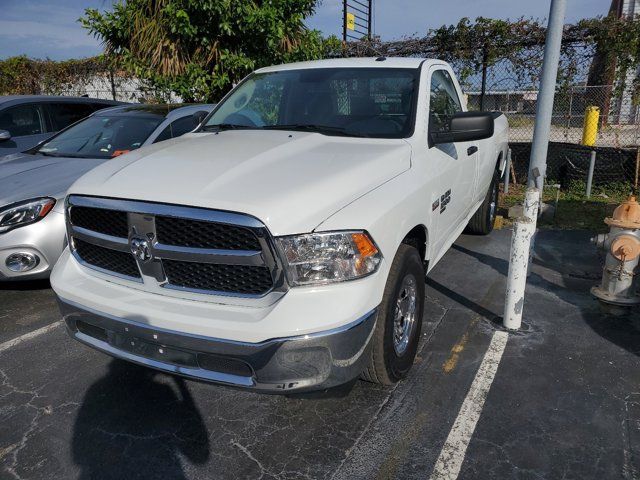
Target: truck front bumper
(281, 365)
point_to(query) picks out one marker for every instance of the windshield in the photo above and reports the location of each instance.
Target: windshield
(359, 102)
(102, 136)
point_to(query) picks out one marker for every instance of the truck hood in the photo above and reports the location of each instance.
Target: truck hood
(24, 176)
(291, 181)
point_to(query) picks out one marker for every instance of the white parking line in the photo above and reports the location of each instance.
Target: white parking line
(27, 336)
(454, 449)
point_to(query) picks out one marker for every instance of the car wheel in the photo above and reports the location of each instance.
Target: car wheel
(397, 332)
(482, 221)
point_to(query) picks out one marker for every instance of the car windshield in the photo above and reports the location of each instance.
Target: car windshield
(358, 102)
(102, 136)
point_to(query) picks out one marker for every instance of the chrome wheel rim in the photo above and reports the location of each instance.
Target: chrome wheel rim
(492, 205)
(405, 314)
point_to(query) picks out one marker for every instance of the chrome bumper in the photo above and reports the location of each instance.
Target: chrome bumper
(282, 365)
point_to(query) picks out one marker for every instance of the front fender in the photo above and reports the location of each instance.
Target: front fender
(388, 213)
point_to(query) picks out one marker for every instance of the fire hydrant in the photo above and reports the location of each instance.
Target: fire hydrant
(619, 279)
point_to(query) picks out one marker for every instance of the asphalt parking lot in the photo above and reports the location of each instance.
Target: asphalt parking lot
(563, 402)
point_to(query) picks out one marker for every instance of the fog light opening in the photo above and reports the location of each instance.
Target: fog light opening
(22, 262)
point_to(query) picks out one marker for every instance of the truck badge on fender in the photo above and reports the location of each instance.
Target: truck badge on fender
(444, 200)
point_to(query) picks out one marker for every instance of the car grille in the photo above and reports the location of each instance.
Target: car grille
(109, 222)
(107, 259)
(222, 278)
(194, 233)
(197, 250)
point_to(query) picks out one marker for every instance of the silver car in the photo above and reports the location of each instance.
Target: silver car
(33, 183)
(26, 120)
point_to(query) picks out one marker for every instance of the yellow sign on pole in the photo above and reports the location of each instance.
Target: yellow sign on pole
(351, 21)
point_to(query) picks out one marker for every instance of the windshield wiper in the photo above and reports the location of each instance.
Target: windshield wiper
(307, 127)
(224, 126)
(80, 155)
(67, 155)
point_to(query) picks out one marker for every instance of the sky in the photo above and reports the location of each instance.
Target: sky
(49, 28)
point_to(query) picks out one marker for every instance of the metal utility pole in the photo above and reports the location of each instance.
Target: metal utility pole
(546, 94)
(524, 228)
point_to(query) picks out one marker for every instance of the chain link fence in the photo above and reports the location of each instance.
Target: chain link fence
(120, 87)
(93, 77)
(617, 146)
(507, 84)
(500, 72)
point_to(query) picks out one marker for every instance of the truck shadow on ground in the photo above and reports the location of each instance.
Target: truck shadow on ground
(137, 423)
(464, 301)
(578, 274)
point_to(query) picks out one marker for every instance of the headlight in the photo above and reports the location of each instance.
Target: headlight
(320, 258)
(24, 213)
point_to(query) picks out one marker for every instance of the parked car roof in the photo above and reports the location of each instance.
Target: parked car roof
(160, 110)
(54, 98)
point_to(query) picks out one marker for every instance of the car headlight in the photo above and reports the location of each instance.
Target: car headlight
(24, 213)
(320, 258)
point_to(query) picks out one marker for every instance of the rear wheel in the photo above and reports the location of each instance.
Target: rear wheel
(397, 332)
(482, 221)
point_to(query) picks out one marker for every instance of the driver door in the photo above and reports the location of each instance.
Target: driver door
(454, 165)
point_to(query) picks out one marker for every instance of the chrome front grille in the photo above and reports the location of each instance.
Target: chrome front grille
(185, 232)
(245, 279)
(180, 248)
(107, 259)
(109, 222)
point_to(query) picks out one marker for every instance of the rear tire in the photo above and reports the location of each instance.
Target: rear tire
(482, 221)
(395, 340)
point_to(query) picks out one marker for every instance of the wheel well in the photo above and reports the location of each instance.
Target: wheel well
(417, 238)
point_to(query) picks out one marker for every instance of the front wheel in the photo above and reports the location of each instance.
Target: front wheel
(397, 331)
(482, 221)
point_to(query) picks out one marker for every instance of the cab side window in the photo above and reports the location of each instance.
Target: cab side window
(64, 114)
(22, 120)
(177, 128)
(444, 101)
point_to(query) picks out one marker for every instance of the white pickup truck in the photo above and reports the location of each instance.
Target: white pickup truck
(283, 245)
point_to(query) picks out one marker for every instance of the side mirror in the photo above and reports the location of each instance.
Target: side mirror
(4, 135)
(465, 127)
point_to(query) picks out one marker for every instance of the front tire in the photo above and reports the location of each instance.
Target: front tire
(397, 332)
(482, 221)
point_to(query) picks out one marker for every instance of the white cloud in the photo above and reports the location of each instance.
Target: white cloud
(54, 35)
(47, 28)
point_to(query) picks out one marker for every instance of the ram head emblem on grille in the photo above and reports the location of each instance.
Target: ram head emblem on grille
(140, 249)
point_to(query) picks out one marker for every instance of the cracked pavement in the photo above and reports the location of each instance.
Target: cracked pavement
(565, 402)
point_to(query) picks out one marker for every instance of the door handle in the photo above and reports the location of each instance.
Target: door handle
(472, 150)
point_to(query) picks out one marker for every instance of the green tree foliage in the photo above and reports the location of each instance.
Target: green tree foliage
(519, 44)
(617, 48)
(487, 41)
(200, 48)
(25, 76)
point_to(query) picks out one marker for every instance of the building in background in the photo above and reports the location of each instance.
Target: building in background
(626, 105)
(622, 109)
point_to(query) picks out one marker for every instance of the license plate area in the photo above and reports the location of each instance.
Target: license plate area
(154, 351)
